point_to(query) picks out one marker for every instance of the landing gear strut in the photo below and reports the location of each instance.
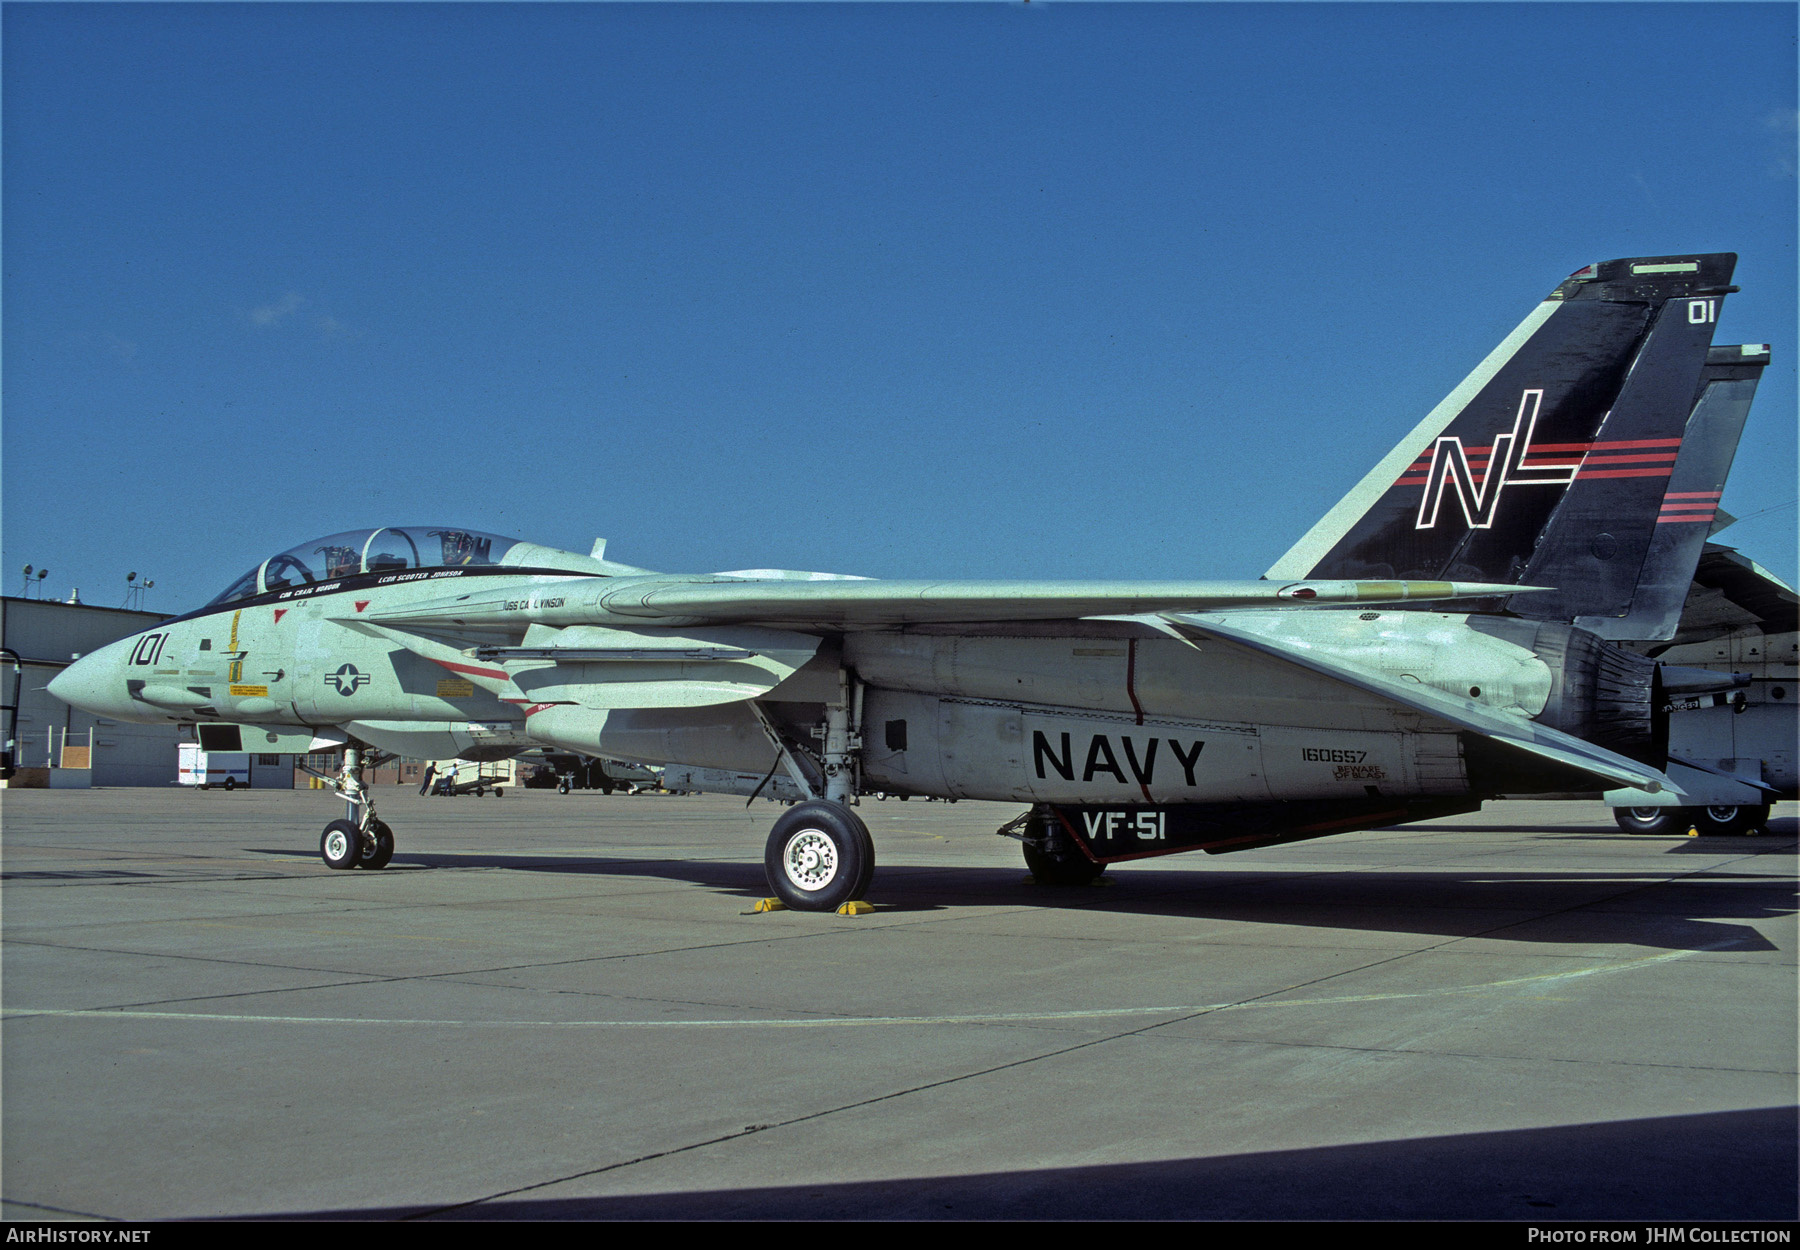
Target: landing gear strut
(1050, 853)
(819, 855)
(361, 839)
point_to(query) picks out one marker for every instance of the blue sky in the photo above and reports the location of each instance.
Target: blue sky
(987, 290)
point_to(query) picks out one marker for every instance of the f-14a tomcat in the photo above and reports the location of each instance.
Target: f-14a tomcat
(1445, 634)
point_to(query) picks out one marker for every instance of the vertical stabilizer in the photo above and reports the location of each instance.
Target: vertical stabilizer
(1586, 401)
(1625, 577)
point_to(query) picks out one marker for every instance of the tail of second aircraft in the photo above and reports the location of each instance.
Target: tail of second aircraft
(1555, 463)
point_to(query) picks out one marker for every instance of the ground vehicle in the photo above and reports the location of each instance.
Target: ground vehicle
(205, 769)
(461, 779)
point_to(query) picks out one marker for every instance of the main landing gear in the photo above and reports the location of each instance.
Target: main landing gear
(1050, 853)
(362, 839)
(1704, 820)
(820, 856)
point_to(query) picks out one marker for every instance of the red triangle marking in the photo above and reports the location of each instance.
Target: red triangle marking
(279, 613)
(361, 604)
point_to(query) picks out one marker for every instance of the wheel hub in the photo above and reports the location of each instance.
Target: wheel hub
(337, 845)
(810, 860)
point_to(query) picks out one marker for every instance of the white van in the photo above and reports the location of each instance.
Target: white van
(205, 769)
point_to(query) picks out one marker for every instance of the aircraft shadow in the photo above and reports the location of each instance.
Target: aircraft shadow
(1734, 1165)
(1556, 908)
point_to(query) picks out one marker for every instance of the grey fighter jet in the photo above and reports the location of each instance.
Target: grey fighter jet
(1441, 636)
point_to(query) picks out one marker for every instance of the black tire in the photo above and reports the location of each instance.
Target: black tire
(231, 783)
(819, 856)
(868, 872)
(498, 792)
(340, 846)
(562, 787)
(1663, 820)
(1068, 868)
(378, 850)
(1725, 821)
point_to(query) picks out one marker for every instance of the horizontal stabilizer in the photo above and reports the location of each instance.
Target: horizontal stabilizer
(1538, 740)
(1680, 681)
(1699, 786)
(1732, 593)
(1762, 789)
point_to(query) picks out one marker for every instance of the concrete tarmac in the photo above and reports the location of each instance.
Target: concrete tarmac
(563, 1007)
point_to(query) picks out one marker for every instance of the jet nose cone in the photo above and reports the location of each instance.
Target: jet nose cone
(84, 685)
(63, 684)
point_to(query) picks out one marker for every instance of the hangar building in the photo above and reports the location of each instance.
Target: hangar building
(47, 636)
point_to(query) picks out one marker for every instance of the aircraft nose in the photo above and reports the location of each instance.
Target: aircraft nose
(89, 684)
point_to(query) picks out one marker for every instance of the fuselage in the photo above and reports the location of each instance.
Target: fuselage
(1056, 711)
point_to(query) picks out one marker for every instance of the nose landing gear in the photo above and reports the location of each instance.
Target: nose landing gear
(361, 839)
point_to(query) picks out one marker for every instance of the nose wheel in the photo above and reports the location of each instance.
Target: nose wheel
(344, 845)
(340, 846)
(361, 839)
(378, 845)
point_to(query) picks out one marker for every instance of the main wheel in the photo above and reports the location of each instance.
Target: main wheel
(1068, 868)
(379, 850)
(231, 783)
(341, 845)
(562, 787)
(819, 856)
(1673, 820)
(1725, 820)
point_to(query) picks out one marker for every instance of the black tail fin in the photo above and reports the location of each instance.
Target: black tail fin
(1576, 419)
(1622, 595)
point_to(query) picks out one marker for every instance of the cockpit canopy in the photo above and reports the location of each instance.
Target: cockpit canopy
(389, 549)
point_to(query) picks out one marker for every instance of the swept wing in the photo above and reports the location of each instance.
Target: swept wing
(675, 602)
